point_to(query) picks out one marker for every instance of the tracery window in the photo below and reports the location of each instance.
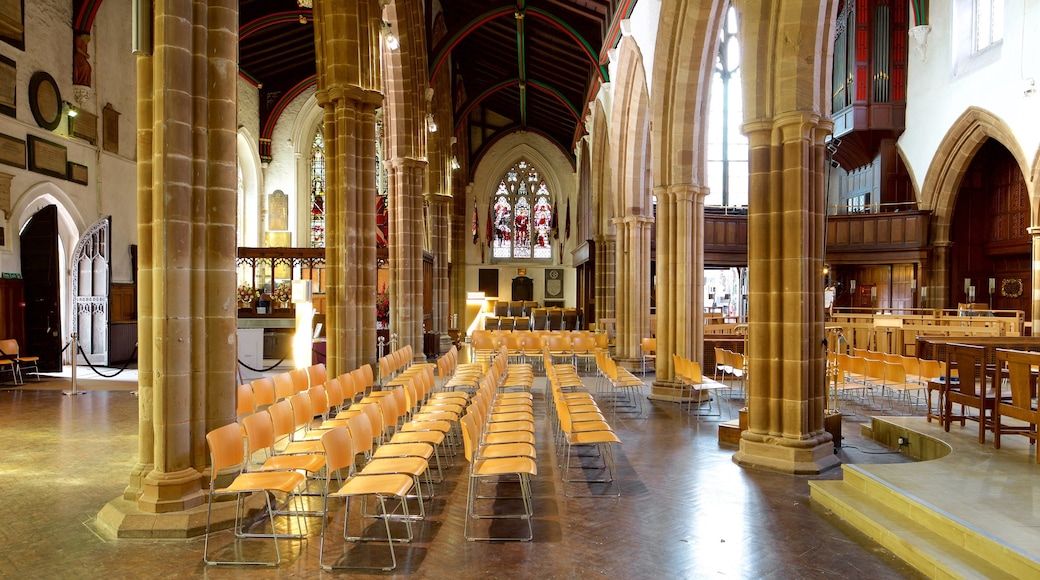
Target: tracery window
(522, 222)
(318, 189)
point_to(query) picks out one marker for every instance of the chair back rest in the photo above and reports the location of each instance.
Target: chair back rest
(226, 447)
(263, 392)
(968, 360)
(259, 431)
(361, 433)
(929, 369)
(911, 365)
(316, 375)
(469, 435)
(283, 386)
(875, 369)
(648, 345)
(299, 380)
(302, 410)
(9, 346)
(1022, 381)
(895, 374)
(319, 401)
(245, 399)
(367, 378)
(334, 393)
(339, 450)
(282, 418)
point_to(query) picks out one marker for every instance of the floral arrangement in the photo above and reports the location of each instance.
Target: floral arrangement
(247, 293)
(282, 292)
(383, 306)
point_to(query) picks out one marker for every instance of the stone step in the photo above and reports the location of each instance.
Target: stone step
(935, 543)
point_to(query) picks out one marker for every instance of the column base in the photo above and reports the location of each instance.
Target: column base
(671, 392)
(773, 455)
(121, 518)
(171, 492)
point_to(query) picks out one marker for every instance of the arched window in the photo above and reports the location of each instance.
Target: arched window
(523, 218)
(318, 188)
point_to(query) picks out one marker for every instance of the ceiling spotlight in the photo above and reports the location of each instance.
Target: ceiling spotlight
(431, 123)
(455, 163)
(388, 35)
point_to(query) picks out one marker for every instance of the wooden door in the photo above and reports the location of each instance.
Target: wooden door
(39, 253)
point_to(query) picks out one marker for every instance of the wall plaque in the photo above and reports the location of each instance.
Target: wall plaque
(77, 173)
(46, 157)
(110, 129)
(12, 23)
(8, 86)
(45, 100)
(84, 126)
(12, 151)
(554, 284)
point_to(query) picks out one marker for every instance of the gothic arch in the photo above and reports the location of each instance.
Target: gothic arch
(951, 161)
(601, 178)
(630, 132)
(250, 227)
(302, 135)
(404, 82)
(504, 155)
(687, 44)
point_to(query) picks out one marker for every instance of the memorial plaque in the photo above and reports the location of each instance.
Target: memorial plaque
(8, 86)
(46, 157)
(12, 151)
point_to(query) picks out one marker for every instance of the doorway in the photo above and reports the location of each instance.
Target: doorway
(40, 275)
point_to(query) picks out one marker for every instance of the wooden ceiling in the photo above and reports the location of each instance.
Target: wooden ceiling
(523, 65)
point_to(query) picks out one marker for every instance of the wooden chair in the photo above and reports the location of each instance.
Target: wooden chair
(648, 353)
(9, 349)
(480, 469)
(1021, 404)
(970, 389)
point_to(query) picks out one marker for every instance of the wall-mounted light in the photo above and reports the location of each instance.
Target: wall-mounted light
(455, 163)
(389, 37)
(71, 108)
(431, 123)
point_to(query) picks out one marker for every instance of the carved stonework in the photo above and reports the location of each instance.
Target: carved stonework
(5, 194)
(919, 34)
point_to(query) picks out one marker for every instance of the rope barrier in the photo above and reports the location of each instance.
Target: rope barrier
(270, 368)
(99, 373)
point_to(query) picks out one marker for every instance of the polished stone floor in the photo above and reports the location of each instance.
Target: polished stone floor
(686, 510)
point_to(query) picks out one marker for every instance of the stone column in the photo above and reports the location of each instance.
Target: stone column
(1034, 283)
(346, 37)
(939, 278)
(405, 181)
(606, 282)
(440, 230)
(680, 281)
(633, 286)
(786, 356)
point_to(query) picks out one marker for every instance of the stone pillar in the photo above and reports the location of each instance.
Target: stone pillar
(346, 37)
(680, 281)
(440, 230)
(939, 278)
(1034, 282)
(786, 355)
(633, 286)
(405, 181)
(604, 291)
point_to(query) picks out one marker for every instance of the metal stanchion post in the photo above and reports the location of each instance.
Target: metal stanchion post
(75, 353)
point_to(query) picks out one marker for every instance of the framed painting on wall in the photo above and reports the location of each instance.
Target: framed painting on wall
(8, 86)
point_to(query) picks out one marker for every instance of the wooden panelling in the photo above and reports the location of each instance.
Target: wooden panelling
(878, 232)
(12, 309)
(725, 240)
(124, 305)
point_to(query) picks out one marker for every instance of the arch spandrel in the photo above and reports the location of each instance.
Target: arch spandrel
(629, 132)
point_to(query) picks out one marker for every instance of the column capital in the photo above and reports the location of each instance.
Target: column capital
(682, 192)
(1034, 231)
(634, 219)
(406, 163)
(353, 93)
(946, 243)
(437, 198)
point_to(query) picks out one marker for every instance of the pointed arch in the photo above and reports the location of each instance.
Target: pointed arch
(687, 43)
(250, 228)
(630, 132)
(601, 178)
(951, 161)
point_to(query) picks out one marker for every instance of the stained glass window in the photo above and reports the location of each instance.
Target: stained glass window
(522, 221)
(318, 189)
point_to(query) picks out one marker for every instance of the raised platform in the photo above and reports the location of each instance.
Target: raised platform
(970, 513)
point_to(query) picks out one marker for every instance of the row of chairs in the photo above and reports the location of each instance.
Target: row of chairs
(731, 365)
(625, 388)
(529, 346)
(330, 447)
(697, 389)
(579, 423)
(13, 361)
(893, 376)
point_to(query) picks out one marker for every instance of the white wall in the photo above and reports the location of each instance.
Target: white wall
(936, 97)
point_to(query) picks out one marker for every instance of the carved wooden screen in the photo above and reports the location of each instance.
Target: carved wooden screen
(91, 281)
